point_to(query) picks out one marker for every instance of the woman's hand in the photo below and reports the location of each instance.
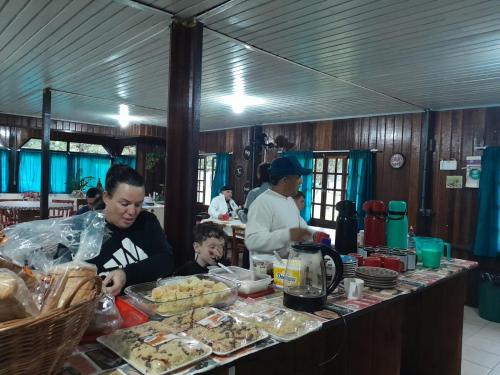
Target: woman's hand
(114, 282)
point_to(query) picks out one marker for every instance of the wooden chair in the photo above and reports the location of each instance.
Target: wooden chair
(201, 216)
(61, 212)
(237, 244)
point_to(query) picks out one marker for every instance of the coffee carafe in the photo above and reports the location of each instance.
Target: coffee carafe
(375, 223)
(346, 230)
(305, 284)
(397, 225)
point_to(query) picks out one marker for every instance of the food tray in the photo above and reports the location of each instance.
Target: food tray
(223, 332)
(250, 281)
(179, 294)
(150, 347)
(281, 323)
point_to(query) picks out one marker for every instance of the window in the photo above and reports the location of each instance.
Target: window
(36, 144)
(206, 170)
(129, 151)
(87, 148)
(329, 187)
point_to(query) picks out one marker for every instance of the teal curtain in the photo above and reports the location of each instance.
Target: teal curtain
(306, 159)
(360, 181)
(58, 172)
(222, 173)
(4, 171)
(90, 165)
(487, 241)
(125, 160)
(30, 170)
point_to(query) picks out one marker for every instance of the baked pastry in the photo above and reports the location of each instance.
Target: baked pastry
(221, 331)
(191, 292)
(153, 349)
(15, 300)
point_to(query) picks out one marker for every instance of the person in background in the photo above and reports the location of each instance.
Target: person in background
(209, 240)
(263, 176)
(300, 200)
(92, 195)
(273, 219)
(137, 249)
(223, 204)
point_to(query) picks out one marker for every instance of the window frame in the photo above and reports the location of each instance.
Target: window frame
(203, 191)
(322, 221)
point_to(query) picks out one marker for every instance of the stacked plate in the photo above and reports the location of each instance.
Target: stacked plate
(350, 265)
(376, 277)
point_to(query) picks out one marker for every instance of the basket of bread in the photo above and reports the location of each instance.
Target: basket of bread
(44, 314)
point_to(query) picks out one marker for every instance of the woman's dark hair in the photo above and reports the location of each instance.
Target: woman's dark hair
(264, 173)
(122, 174)
(98, 204)
(204, 231)
(299, 195)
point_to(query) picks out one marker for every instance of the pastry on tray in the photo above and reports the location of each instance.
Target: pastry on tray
(153, 349)
(221, 331)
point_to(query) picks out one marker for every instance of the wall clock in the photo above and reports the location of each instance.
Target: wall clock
(397, 160)
(247, 153)
(239, 171)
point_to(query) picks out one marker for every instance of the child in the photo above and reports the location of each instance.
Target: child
(209, 240)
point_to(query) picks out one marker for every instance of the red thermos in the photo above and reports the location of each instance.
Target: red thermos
(375, 219)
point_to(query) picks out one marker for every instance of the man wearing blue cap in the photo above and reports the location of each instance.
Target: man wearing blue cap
(274, 220)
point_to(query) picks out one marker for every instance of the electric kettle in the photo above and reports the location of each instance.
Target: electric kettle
(305, 286)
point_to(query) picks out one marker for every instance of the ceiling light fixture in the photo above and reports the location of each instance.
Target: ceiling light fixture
(239, 101)
(124, 118)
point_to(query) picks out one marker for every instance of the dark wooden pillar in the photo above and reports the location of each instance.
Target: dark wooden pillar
(186, 41)
(44, 193)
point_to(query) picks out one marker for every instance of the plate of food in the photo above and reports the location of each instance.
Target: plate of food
(154, 350)
(223, 332)
(171, 296)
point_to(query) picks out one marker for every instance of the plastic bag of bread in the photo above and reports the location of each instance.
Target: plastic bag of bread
(16, 301)
(45, 243)
(66, 280)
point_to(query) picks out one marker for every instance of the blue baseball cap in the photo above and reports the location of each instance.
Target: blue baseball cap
(287, 166)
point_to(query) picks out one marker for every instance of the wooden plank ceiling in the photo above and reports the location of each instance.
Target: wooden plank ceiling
(304, 60)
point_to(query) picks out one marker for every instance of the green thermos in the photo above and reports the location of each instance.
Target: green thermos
(397, 225)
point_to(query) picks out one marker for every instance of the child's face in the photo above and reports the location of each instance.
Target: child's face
(210, 250)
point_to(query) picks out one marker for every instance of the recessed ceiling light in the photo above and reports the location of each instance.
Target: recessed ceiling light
(239, 102)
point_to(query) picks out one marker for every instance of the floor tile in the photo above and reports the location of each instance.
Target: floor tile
(480, 357)
(481, 343)
(471, 329)
(471, 316)
(495, 371)
(469, 368)
(489, 333)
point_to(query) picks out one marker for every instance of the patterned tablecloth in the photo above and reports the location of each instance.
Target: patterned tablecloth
(31, 205)
(95, 359)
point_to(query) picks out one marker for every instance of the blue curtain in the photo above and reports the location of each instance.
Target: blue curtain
(487, 242)
(306, 159)
(58, 172)
(222, 173)
(125, 160)
(4, 171)
(30, 171)
(360, 181)
(95, 166)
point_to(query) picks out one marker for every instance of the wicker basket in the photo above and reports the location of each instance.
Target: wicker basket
(41, 345)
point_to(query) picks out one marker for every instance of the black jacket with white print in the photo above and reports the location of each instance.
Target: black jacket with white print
(141, 250)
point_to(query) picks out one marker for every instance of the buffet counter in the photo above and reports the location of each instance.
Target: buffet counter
(415, 328)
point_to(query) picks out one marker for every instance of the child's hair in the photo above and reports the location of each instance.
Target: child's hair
(204, 231)
(299, 195)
